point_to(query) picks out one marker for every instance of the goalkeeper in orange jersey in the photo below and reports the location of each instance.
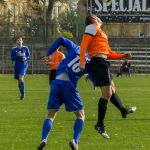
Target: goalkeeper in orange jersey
(95, 43)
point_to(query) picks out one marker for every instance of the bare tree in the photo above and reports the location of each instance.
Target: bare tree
(51, 6)
(24, 15)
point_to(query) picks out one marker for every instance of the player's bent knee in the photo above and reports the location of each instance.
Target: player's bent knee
(21, 80)
(107, 95)
(81, 117)
(80, 114)
(52, 114)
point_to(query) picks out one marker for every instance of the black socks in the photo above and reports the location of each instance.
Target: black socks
(117, 102)
(102, 107)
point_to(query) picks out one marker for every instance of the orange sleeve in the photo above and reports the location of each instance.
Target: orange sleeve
(86, 40)
(50, 59)
(114, 55)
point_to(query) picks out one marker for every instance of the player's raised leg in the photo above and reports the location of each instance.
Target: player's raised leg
(116, 101)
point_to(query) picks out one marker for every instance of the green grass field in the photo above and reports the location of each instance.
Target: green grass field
(21, 121)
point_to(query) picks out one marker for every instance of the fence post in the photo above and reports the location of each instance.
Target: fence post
(146, 71)
(77, 30)
(3, 60)
(32, 67)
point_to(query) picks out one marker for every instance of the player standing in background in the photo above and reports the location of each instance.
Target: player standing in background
(95, 42)
(20, 55)
(53, 62)
(64, 91)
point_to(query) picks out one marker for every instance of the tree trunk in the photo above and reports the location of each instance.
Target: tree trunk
(50, 9)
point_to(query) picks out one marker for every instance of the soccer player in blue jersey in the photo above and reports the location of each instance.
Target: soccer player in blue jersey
(20, 55)
(64, 91)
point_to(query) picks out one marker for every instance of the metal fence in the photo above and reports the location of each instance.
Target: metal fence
(140, 62)
(140, 59)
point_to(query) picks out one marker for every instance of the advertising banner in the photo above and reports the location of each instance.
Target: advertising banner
(120, 10)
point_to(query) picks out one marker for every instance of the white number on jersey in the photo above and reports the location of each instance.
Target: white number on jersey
(74, 64)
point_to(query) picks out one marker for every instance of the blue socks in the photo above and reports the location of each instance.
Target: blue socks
(21, 87)
(47, 125)
(78, 126)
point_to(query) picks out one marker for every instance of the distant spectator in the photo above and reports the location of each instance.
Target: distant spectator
(125, 68)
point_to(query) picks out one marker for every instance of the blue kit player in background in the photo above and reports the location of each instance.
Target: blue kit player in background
(20, 55)
(64, 91)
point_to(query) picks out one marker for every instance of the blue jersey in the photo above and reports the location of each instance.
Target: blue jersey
(70, 64)
(17, 55)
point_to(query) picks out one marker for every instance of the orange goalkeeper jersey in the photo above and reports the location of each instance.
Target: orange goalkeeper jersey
(95, 41)
(55, 60)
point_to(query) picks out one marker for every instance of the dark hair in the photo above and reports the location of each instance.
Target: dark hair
(90, 19)
(18, 37)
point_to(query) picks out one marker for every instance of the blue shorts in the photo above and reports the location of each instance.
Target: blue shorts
(62, 92)
(19, 71)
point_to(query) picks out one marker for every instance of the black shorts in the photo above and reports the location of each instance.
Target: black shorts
(52, 75)
(99, 69)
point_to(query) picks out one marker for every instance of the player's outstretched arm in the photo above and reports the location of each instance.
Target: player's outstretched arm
(61, 41)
